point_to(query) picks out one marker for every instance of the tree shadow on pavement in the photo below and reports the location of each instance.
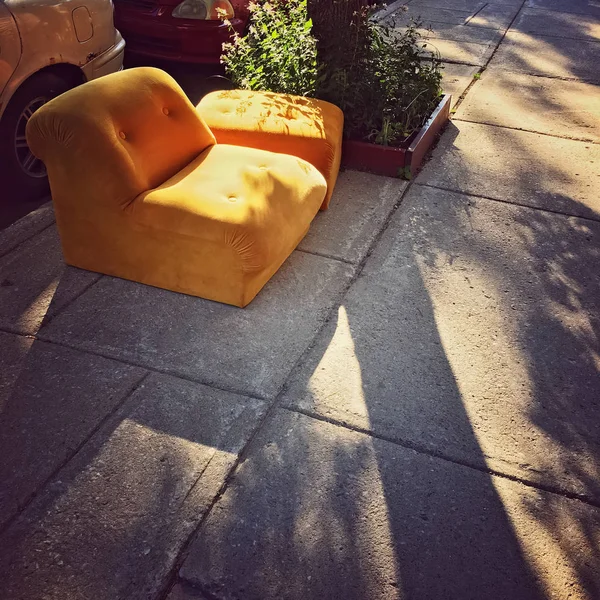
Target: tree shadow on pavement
(107, 471)
(319, 511)
(472, 336)
(329, 512)
(469, 347)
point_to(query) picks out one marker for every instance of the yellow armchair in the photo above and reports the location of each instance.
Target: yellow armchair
(142, 190)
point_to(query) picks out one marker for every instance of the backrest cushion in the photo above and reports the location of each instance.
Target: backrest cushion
(112, 138)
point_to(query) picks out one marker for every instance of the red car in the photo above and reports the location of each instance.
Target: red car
(190, 31)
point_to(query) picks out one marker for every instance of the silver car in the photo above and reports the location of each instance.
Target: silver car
(46, 48)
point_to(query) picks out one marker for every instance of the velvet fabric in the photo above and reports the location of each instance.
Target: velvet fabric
(142, 190)
(304, 127)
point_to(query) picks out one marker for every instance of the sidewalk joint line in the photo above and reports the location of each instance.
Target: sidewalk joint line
(546, 210)
(388, 11)
(451, 61)
(504, 29)
(560, 37)
(275, 403)
(25, 240)
(46, 340)
(48, 319)
(560, 12)
(484, 67)
(475, 14)
(183, 551)
(42, 486)
(439, 455)
(323, 255)
(445, 39)
(586, 80)
(8, 328)
(551, 135)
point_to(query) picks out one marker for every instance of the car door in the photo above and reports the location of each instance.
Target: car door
(10, 48)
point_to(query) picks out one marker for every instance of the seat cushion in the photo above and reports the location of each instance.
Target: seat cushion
(304, 127)
(247, 208)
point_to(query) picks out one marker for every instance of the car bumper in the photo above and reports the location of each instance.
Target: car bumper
(109, 61)
(160, 35)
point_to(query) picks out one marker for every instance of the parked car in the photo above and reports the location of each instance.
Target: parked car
(190, 31)
(46, 48)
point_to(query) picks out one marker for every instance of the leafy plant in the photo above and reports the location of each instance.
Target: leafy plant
(278, 52)
(385, 81)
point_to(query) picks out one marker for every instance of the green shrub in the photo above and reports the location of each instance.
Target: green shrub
(278, 52)
(384, 81)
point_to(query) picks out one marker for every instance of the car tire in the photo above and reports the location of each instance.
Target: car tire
(22, 176)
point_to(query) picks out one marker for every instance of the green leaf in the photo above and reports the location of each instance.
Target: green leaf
(405, 173)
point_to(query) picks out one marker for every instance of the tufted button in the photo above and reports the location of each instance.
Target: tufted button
(232, 198)
(122, 135)
(166, 111)
(263, 167)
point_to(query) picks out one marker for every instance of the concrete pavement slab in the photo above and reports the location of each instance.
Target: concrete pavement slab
(360, 206)
(540, 104)
(427, 15)
(463, 33)
(183, 591)
(517, 166)
(26, 228)
(112, 523)
(51, 400)
(456, 79)
(471, 6)
(494, 16)
(550, 56)
(13, 352)
(35, 283)
(388, 9)
(560, 24)
(347, 516)
(579, 7)
(460, 52)
(472, 333)
(248, 350)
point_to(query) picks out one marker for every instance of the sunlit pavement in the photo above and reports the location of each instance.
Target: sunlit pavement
(410, 409)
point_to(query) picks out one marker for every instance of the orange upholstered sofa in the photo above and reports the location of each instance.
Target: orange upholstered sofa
(143, 191)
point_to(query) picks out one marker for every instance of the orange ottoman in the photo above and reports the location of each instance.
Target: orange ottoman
(304, 127)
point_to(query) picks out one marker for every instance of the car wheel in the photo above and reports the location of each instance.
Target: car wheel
(22, 175)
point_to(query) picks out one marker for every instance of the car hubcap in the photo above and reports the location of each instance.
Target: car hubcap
(27, 161)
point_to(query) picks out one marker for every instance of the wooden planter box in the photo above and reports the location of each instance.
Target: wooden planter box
(402, 161)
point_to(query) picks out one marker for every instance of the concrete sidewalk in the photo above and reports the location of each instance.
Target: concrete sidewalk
(409, 410)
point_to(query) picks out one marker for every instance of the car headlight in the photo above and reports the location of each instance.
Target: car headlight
(208, 10)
